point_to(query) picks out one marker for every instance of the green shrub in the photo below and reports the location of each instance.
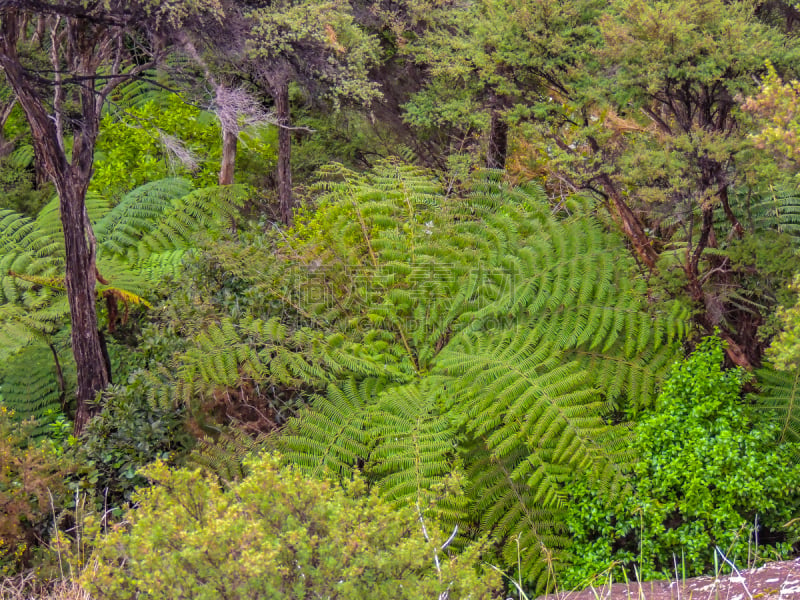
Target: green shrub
(276, 534)
(32, 490)
(127, 435)
(706, 475)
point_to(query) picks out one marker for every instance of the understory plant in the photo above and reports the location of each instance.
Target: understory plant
(710, 483)
(32, 489)
(488, 337)
(278, 534)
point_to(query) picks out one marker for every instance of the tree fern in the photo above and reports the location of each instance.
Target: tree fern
(778, 400)
(512, 333)
(484, 335)
(139, 241)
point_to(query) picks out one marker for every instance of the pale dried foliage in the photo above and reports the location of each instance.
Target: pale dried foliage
(24, 587)
(178, 153)
(236, 109)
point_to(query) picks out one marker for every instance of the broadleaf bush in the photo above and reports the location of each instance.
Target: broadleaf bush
(277, 534)
(709, 478)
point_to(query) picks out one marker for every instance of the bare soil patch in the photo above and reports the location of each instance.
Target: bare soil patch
(774, 581)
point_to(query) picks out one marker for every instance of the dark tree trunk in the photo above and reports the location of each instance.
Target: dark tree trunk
(228, 165)
(631, 225)
(498, 142)
(80, 284)
(284, 152)
(71, 179)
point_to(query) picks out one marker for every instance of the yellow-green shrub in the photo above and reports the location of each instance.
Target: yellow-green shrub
(276, 534)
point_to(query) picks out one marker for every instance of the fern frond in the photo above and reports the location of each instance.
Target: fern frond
(331, 436)
(516, 391)
(414, 450)
(21, 157)
(34, 388)
(779, 400)
(506, 506)
(124, 226)
(178, 224)
(224, 456)
(775, 210)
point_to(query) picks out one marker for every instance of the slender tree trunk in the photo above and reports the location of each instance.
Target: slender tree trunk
(71, 180)
(80, 283)
(226, 169)
(284, 152)
(737, 228)
(631, 225)
(498, 142)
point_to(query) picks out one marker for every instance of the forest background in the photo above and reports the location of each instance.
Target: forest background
(396, 299)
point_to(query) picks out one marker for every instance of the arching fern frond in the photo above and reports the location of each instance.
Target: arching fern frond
(774, 210)
(36, 384)
(506, 507)
(414, 442)
(517, 391)
(779, 400)
(491, 321)
(123, 227)
(331, 436)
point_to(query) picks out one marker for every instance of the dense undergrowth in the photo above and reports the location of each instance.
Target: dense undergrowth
(428, 378)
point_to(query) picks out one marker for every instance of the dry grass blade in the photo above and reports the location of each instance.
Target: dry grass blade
(26, 587)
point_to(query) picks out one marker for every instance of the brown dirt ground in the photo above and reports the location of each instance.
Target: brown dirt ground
(775, 581)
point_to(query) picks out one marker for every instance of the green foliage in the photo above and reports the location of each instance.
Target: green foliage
(785, 349)
(17, 185)
(775, 104)
(128, 435)
(316, 43)
(334, 436)
(477, 342)
(469, 348)
(32, 385)
(162, 137)
(21, 192)
(778, 400)
(706, 477)
(277, 534)
(226, 454)
(637, 103)
(32, 487)
(778, 209)
(484, 328)
(140, 241)
(487, 57)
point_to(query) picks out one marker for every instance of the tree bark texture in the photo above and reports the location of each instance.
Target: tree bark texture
(631, 225)
(285, 200)
(71, 180)
(93, 375)
(498, 142)
(228, 163)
